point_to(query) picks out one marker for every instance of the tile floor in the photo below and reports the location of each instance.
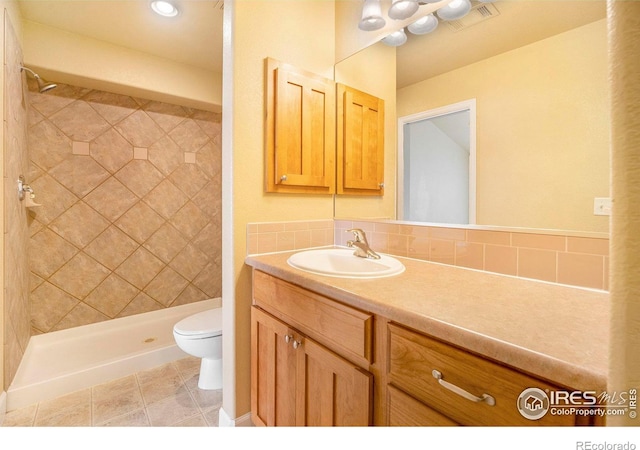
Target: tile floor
(167, 395)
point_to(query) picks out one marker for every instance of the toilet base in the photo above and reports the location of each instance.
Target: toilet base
(210, 374)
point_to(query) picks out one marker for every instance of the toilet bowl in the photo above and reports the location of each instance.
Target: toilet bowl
(200, 335)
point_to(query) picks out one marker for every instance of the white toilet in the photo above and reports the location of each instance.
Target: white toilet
(200, 335)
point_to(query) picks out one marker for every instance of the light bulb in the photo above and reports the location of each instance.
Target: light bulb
(396, 39)
(164, 8)
(455, 10)
(371, 16)
(424, 25)
(403, 9)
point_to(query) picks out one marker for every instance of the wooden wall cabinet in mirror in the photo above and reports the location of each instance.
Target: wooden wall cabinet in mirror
(360, 142)
(300, 130)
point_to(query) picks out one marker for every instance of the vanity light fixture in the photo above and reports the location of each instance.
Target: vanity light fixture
(455, 10)
(164, 8)
(424, 25)
(371, 16)
(396, 39)
(403, 9)
(373, 19)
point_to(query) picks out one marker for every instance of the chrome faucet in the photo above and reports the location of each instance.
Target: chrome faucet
(361, 244)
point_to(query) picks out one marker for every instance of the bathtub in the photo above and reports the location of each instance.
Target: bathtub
(62, 362)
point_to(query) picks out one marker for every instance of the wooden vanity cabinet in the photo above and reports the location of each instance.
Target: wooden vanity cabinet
(317, 361)
(412, 386)
(299, 130)
(297, 381)
(407, 411)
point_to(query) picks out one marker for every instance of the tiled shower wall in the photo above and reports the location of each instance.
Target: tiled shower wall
(16, 233)
(130, 217)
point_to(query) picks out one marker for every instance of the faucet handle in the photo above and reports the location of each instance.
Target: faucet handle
(359, 235)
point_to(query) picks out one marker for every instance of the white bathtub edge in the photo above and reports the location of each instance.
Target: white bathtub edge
(81, 331)
(19, 396)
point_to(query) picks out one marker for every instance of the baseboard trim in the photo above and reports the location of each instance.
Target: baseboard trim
(225, 421)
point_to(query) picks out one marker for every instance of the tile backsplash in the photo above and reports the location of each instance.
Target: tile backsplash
(130, 219)
(567, 258)
(551, 256)
(268, 237)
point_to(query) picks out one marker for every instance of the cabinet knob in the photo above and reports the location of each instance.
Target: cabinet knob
(287, 338)
(296, 344)
(283, 178)
(381, 185)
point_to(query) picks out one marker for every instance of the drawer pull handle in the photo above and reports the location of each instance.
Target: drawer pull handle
(486, 398)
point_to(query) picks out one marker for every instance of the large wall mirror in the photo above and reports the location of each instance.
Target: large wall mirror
(537, 71)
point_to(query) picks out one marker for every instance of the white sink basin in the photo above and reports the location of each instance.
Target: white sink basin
(341, 262)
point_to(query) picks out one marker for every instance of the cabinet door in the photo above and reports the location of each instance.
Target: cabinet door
(300, 130)
(337, 393)
(298, 382)
(360, 142)
(273, 372)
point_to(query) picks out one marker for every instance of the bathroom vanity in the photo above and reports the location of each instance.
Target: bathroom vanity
(434, 345)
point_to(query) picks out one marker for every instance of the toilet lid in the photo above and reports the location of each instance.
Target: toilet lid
(203, 324)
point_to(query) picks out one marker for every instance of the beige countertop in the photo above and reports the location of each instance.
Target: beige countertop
(559, 333)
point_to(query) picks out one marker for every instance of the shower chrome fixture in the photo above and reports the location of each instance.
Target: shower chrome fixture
(43, 85)
(24, 187)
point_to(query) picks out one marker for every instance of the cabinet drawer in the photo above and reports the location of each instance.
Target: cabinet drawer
(414, 356)
(406, 411)
(345, 330)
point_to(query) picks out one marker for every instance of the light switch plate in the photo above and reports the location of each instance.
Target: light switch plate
(602, 206)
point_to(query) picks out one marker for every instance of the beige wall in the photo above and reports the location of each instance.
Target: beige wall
(300, 33)
(624, 47)
(542, 121)
(74, 59)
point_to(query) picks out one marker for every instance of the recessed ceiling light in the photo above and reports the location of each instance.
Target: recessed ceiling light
(164, 8)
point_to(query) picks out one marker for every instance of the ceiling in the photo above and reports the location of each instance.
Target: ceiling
(518, 23)
(194, 37)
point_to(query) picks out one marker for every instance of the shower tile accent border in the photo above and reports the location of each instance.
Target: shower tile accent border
(570, 258)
